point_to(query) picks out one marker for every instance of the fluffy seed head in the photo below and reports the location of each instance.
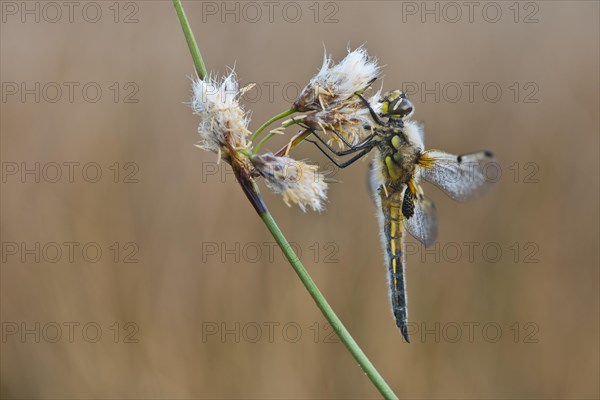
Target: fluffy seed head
(299, 183)
(338, 82)
(223, 124)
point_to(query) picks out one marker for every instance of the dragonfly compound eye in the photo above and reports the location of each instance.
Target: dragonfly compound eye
(400, 107)
(397, 105)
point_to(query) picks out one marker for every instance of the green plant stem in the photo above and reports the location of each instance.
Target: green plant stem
(326, 309)
(270, 121)
(294, 142)
(251, 190)
(269, 135)
(263, 141)
(191, 41)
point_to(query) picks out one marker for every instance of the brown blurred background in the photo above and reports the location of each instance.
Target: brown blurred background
(208, 308)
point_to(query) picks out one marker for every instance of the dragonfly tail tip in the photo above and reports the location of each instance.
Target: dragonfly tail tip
(404, 331)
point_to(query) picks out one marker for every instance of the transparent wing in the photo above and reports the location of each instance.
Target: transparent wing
(461, 177)
(374, 180)
(420, 217)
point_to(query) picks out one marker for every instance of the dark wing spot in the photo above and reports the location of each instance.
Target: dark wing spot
(488, 154)
(459, 159)
(408, 204)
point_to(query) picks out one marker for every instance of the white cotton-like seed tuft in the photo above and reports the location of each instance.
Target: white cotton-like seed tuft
(299, 183)
(223, 121)
(353, 74)
(339, 82)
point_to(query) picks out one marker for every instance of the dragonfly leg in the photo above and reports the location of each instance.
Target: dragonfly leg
(341, 138)
(351, 148)
(373, 113)
(336, 133)
(338, 153)
(344, 164)
(363, 147)
(303, 125)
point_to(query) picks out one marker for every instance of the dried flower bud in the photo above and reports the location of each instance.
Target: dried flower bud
(298, 182)
(223, 122)
(339, 82)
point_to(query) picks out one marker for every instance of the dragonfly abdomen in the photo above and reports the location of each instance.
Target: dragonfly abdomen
(393, 230)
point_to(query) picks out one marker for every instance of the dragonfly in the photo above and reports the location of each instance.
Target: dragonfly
(399, 165)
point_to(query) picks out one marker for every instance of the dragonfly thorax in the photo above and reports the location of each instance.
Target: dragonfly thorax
(399, 156)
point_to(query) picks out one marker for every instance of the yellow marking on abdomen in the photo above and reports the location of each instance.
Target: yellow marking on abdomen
(394, 269)
(395, 238)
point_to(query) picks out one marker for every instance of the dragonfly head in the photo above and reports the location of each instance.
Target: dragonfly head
(396, 105)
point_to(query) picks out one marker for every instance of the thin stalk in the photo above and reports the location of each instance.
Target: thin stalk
(285, 124)
(263, 141)
(270, 121)
(294, 142)
(191, 41)
(326, 309)
(251, 190)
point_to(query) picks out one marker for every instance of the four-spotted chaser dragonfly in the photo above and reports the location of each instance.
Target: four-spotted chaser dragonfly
(399, 165)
